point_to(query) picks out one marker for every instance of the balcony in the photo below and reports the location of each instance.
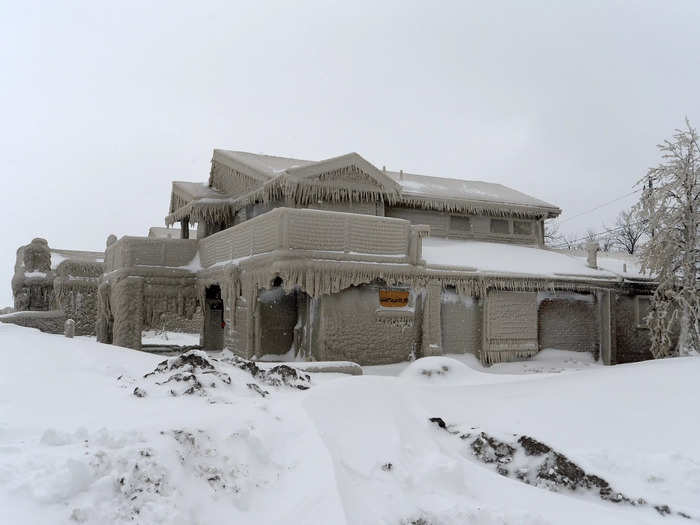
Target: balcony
(315, 233)
(131, 252)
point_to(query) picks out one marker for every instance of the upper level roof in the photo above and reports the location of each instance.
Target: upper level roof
(347, 177)
(472, 190)
(267, 165)
(411, 185)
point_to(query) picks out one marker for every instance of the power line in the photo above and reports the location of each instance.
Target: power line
(597, 234)
(602, 205)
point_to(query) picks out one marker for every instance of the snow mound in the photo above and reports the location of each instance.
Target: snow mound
(439, 370)
(535, 463)
(196, 373)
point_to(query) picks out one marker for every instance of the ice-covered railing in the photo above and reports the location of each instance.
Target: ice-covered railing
(128, 252)
(345, 234)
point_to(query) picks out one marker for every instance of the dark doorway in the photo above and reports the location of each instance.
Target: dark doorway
(213, 319)
(281, 318)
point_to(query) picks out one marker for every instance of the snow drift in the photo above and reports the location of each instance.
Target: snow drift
(77, 446)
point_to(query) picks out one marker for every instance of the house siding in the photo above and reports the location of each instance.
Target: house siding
(566, 324)
(632, 343)
(355, 328)
(461, 320)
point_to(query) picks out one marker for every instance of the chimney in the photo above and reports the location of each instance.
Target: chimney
(401, 174)
(592, 249)
(383, 168)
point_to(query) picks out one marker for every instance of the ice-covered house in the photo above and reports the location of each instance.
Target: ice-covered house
(51, 285)
(340, 260)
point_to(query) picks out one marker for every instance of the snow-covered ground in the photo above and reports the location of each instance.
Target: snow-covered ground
(160, 337)
(78, 446)
(548, 361)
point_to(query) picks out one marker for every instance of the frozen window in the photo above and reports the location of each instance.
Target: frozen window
(460, 224)
(643, 308)
(522, 227)
(500, 226)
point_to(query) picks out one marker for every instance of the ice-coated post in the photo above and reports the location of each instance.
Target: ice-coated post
(592, 248)
(69, 328)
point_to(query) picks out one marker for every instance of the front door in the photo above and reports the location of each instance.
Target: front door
(213, 319)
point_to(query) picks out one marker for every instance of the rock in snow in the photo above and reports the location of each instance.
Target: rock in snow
(77, 446)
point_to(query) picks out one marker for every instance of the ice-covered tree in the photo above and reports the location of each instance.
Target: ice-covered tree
(670, 206)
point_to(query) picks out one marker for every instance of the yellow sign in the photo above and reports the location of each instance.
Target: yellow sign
(393, 298)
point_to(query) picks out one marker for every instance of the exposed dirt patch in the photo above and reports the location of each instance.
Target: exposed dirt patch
(536, 463)
(196, 373)
(286, 375)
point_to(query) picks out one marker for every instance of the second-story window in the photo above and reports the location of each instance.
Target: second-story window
(460, 224)
(500, 226)
(522, 227)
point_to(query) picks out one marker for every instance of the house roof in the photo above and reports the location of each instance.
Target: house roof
(412, 187)
(287, 176)
(471, 190)
(184, 193)
(268, 166)
(197, 190)
(508, 259)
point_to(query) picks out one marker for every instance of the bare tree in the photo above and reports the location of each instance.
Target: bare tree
(670, 206)
(552, 236)
(628, 231)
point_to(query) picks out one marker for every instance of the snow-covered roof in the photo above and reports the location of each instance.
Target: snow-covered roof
(412, 187)
(197, 190)
(628, 267)
(511, 259)
(471, 190)
(268, 165)
(58, 256)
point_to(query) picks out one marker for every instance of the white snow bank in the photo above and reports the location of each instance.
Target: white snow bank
(441, 370)
(76, 446)
(547, 361)
(393, 466)
(505, 258)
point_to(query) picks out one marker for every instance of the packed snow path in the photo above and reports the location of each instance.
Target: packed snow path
(78, 446)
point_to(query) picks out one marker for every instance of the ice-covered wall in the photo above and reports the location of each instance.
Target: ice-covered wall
(632, 341)
(461, 320)
(569, 321)
(477, 227)
(511, 326)
(354, 327)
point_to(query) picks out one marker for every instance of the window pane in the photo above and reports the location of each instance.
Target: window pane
(460, 224)
(500, 226)
(522, 227)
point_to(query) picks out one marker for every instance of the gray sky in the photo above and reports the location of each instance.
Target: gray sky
(103, 104)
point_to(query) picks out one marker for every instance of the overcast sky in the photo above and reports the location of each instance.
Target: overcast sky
(102, 104)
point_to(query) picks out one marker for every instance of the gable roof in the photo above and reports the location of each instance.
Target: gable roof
(256, 165)
(268, 167)
(183, 193)
(291, 177)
